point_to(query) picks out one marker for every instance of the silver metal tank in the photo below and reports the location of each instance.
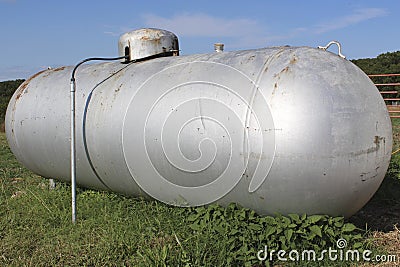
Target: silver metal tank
(281, 129)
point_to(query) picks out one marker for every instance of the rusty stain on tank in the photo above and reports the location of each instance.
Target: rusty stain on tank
(285, 69)
(375, 148)
(58, 69)
(23, 86)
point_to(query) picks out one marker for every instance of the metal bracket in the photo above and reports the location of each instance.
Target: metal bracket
(331, 43)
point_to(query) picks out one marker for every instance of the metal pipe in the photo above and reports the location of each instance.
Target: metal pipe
(387, 84)
(391, 99)
(73, 130)
(384, 75)
(73, 151)
(388, 92)
(338, 45)
(219, 47)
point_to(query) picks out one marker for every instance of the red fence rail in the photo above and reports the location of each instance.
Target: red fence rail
(390, 97)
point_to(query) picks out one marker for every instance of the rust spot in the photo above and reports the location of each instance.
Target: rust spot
(251, 58)
(119, 88)
(365, 176)
(365, 151)
(58, 69)
(377, 140)
(23, 86)
(277, 75)
(275, 87)
(34, 76)
(147, 38)
(157, 41)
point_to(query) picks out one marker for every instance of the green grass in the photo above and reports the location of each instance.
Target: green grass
(112, 230)
(36, 229)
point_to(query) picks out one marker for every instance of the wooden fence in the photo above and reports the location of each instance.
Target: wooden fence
(391, 96)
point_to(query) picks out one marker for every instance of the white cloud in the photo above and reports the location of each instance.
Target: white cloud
(203, 25)
(242, 32)
(358, 16)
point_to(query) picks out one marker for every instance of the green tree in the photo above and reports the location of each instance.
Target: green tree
(7, 89)
(386, 63)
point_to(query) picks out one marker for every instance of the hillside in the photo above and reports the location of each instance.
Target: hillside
(384, 63)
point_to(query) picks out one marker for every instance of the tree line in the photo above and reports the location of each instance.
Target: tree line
(7, 89)
(387, 63)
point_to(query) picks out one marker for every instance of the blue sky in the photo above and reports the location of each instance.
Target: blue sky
(38, 34)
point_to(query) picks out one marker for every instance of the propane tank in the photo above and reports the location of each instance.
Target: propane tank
(278, 130)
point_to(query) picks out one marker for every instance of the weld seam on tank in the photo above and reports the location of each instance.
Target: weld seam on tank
(84, 124)
(254, 185)
(253, 94)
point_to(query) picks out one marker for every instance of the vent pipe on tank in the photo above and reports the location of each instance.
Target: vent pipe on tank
(219, 47)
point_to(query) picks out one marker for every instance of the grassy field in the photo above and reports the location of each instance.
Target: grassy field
(112, 230)
(36, 229)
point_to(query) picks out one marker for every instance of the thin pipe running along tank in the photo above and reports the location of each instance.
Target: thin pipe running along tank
(278, 130)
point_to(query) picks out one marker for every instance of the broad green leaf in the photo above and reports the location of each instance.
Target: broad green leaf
(348, 227)
(316, 230)
(339, 224)
(278, 231)
(310, 236)
(288, 234)
(330, 232)
(295, 217)
(338, 219)
(269, 220)
(269, 231)
(314, 218)
(285, 221)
